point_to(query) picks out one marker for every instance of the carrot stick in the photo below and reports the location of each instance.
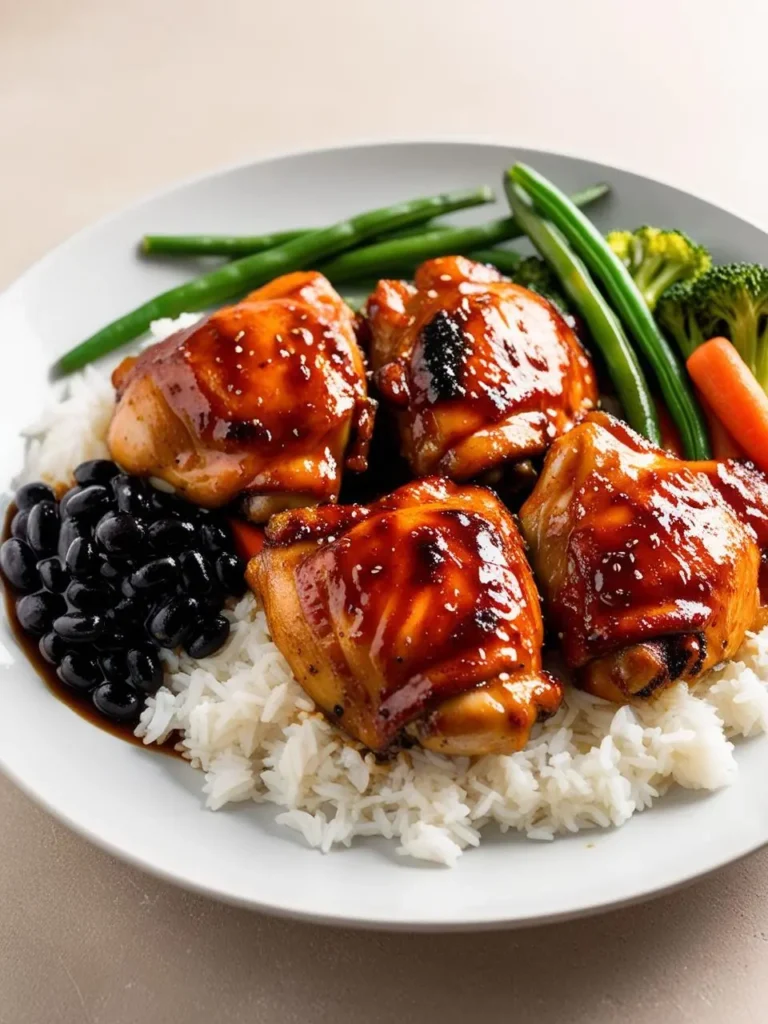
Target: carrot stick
(249, 539)
(734, 395)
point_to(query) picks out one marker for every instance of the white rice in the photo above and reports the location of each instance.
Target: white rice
(248, 725)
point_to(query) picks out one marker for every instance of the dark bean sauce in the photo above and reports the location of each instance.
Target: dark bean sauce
(47, 672)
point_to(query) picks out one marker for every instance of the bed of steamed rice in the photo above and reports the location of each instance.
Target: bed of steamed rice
(255, 735)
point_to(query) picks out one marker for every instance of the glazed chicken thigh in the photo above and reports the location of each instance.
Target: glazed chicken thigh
(417, 613)
(481, 371)
(266, 399)
(649, 571)
(745, 488)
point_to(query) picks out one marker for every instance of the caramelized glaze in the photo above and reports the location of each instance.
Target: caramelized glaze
(745, 488)
(265, 399)
(481, 371)
(648, 573)
(392, 614)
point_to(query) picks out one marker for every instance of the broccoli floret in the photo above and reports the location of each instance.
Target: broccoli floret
(535, 274)
(729, 301)
(676, 314)
(657, 258)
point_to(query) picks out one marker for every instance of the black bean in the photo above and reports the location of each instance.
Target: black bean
(230, 570)
(214, 537)
(97, 471)
(114, 639)
(52, 647)
(170, 536)
(128, 611)
(158, 502)
(110, 573)
(113, 665)
(37, 612)
(53, 575)
(120, 534)
(131, 495)
(160, 575)
(196, 572)
(82, 559)
(19, 524)
(90, 597)
(200, 515)
(80, 671)
(76, 628)
(161, 501)
(172, 620)
(168, 504)
(206, 637)
(214, 600)
(119, 702)
(43, 528)
(70, 529)
(30, 494)
(64, 503)
(145, 670)
(90, 503)
(19, 564)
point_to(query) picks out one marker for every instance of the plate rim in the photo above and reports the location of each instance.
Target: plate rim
(276, 156)
(330, 917)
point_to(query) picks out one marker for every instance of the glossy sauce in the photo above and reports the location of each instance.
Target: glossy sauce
(745, 488)
(421, 597)
(631, 545)
(267, 396)
(481, 370)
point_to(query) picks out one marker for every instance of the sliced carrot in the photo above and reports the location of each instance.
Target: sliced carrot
(249, 539)
(734, 395)
(670, 435)
(724, 445)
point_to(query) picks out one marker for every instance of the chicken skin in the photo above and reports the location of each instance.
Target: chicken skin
(481, 371)
(649, 573)
(745, 489)
(416, 616)
(266, 400)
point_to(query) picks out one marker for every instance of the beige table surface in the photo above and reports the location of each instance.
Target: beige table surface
(104, 100)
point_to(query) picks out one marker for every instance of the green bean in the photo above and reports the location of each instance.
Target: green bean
(419, 229)
(606, 331)
(590, 245)
(245, 245)
(233, 279)
(505, 260)
(393, 254)
(215, 245)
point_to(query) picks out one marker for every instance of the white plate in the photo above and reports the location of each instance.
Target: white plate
(146, 807)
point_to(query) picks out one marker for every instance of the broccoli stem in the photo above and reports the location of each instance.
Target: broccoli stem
(744, 339)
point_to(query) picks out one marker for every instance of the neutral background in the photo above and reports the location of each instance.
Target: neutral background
(104, 100)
